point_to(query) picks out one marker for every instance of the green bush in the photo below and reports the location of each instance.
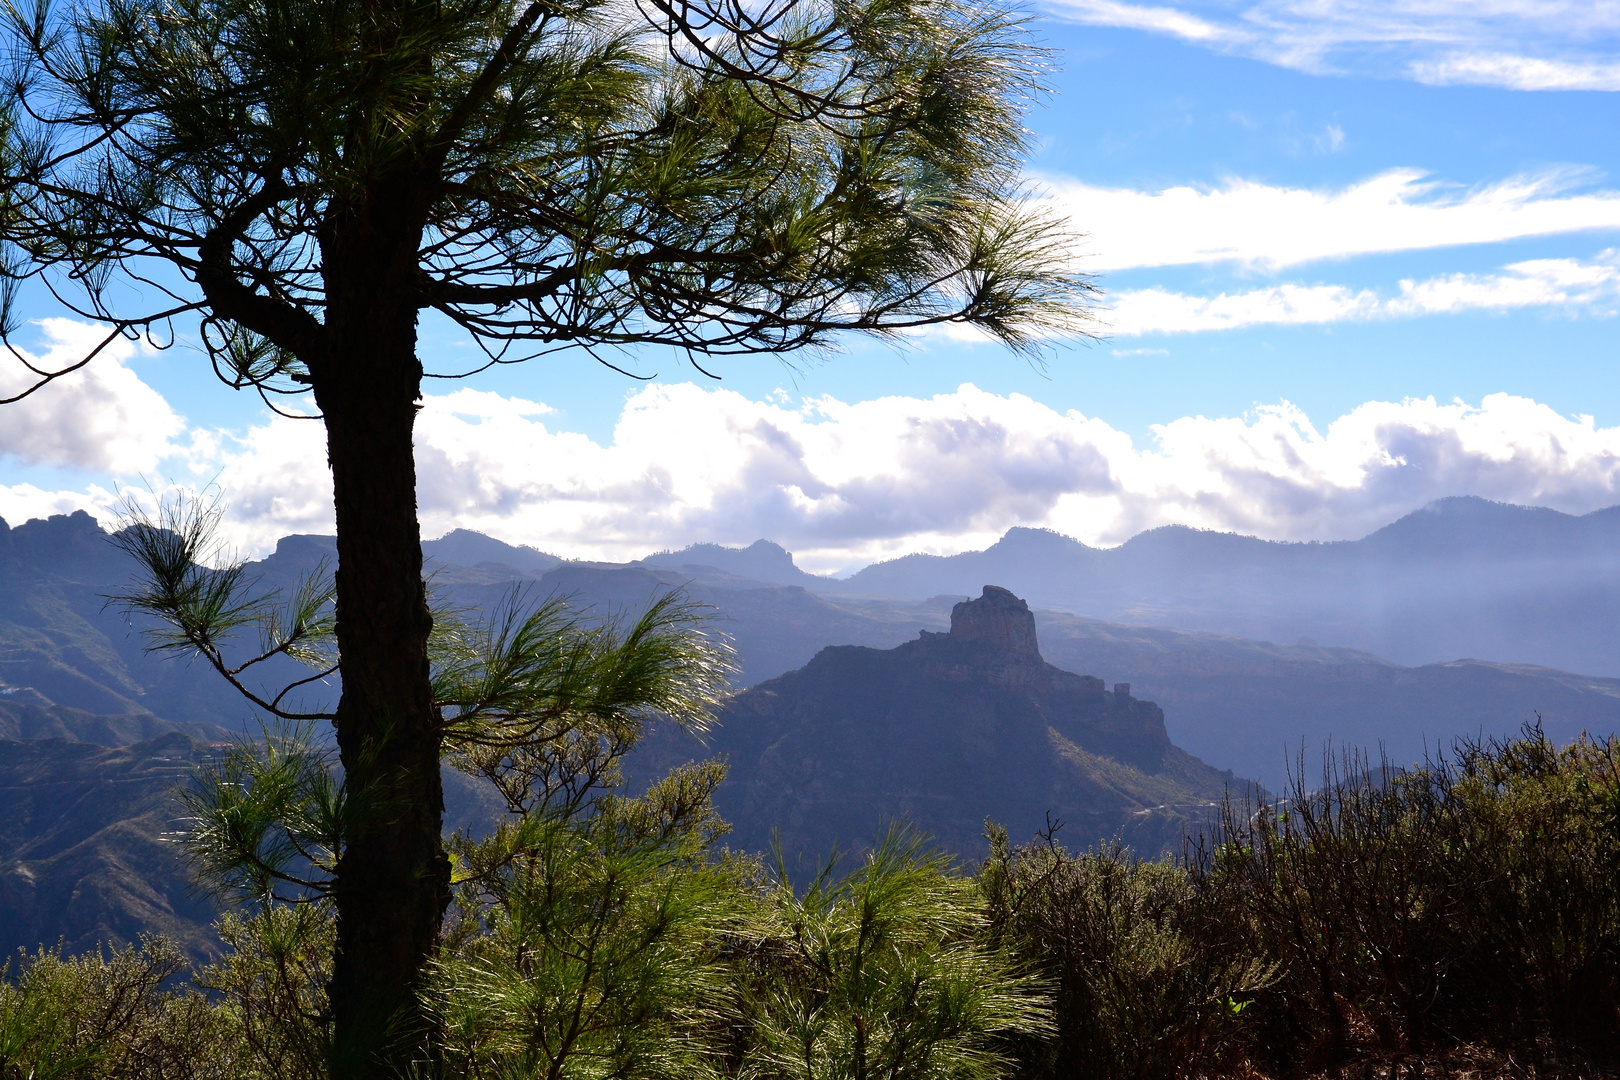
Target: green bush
(272, 981)
(1473, 899)
(887, 972)
(1535, 838)
(114, 1016)
(1150, 968)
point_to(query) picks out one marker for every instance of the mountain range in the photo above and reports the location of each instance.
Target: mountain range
(1461, 577)
(1164, 613)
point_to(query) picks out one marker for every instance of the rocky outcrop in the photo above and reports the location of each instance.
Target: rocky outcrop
(999, 621)
(946, 731)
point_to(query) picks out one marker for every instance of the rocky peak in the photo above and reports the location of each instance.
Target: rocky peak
(69, 544)
(999, 619)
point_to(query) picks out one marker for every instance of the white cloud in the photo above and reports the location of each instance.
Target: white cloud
(101, 417)
(1517, 72)
(1273, 227)
(274, 479)
(1516, 44)
(23, 502)
(1159, 20)
(1570, 284)
(843, 484)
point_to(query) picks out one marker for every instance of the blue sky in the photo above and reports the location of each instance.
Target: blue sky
(1308, 220)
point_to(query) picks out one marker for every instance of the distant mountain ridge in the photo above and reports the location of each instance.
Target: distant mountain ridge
(760, 561)
(1459, 578)
(1257, 707)
(69, 666)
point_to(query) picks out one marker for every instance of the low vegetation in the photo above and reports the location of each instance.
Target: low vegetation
(1461, 917)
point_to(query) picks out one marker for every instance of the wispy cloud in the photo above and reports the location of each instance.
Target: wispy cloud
(1271, 227)
(845, 483)
(1570, 284)
(1516, 44)
(1517, 72)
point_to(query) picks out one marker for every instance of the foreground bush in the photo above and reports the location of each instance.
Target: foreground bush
(114, 1015)
(1475, 899)
(1469, 907)
(1151, 974)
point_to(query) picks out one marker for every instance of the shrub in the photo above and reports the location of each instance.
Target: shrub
(272, 981)
(1474, 898)
(110, 1015)
(886, 972)
(1150, 968)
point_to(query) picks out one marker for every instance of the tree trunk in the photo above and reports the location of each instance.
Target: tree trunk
(393, 880)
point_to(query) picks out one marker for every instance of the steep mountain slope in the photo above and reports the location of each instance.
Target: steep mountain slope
(83, 858)
(87, 851)
(947, 731)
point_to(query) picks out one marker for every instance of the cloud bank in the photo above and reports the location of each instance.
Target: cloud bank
(1515, 44)
(843, 484)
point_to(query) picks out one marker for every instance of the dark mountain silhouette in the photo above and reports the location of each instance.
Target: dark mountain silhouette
(946, 732)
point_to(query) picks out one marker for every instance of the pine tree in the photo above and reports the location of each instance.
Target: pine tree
(301, 179)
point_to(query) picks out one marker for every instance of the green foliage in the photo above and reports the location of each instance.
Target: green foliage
(613, 937)
(266, 818)
(1469, 899)
(1152, 978)
(110, 1017)
(886, 972)
(200, 601)
(272, 983)
(589, 946)
(1536, 840)
(544, 704)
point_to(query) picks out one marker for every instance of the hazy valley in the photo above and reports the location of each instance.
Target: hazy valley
(1160, 615)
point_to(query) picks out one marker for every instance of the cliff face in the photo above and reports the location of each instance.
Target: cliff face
(946, 731)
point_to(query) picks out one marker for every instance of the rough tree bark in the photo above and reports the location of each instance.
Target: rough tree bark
(393, 880)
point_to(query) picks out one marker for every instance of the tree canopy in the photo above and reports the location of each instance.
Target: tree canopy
(718, 177)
